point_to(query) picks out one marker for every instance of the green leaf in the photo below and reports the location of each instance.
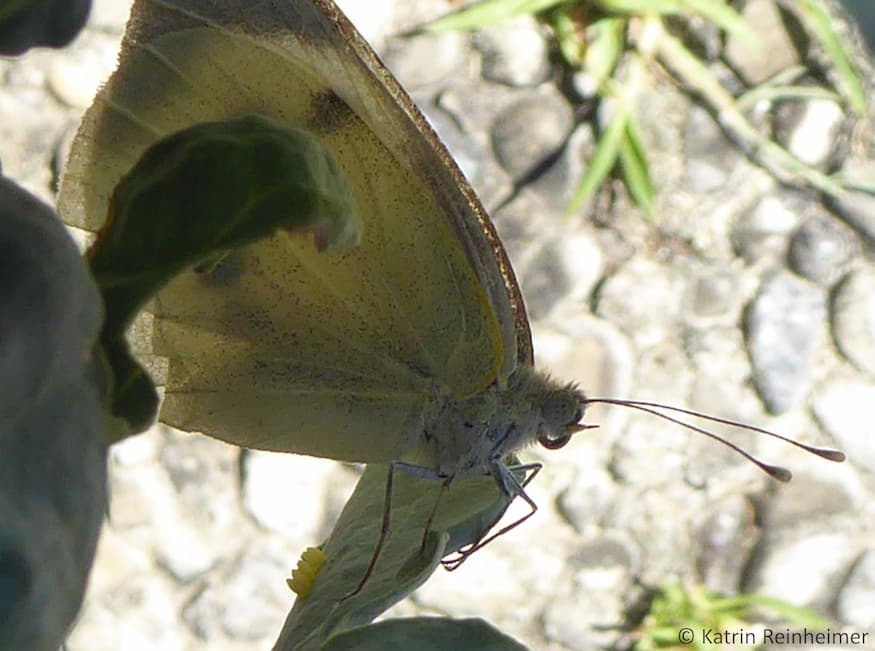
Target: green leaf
(193, 197)
(401, 566)
(40, 23)
(819, 22)
(12, 7)
(52, 422)
(424, 634)
(636, 171)
(604, 158)
(50, 305)
(488, 12)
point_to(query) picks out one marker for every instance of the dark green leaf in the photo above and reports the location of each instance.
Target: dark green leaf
(193, 197)
(402, 565)
(40, 23)
(52, 424)
(424, 634)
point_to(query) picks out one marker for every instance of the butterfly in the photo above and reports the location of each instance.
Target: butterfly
(412, 348)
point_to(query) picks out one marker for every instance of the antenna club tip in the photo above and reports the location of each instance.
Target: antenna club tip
(781, 474)
(833, 455)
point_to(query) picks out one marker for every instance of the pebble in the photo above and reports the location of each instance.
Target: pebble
(531, 132)
(467, 152)
(762, 234)
(710, 156)
(582, 613)
(837, 406)
(776, 49)
(446, 52)
(811, 130)
(726, 535)
(641, 296)
(825, 558)
(713, 297)
(823, 249)
(856, 602)
(853, 318)
(856, 206)
(514, 53)
(784, 329)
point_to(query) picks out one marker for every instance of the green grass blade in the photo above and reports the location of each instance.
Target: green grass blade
(641, 7)
(716, 11)
(790, 613)
(692, 72)
(819, 22)
(605, 48)
(488, 12)
(636, 171)
(772, 93)
(603, 160)
(726, 18)
(569, 35)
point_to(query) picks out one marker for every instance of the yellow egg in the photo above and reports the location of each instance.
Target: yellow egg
(311, 561)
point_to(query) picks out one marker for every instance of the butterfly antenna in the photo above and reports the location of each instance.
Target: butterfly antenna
(778, 472)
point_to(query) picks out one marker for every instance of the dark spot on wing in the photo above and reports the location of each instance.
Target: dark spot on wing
(329, 112)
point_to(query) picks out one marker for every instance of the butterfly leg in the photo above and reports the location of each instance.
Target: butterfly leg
(427, 473)
(511, 487)
(416, 471)
(384, 530)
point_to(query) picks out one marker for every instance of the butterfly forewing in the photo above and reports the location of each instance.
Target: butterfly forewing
(278, 338)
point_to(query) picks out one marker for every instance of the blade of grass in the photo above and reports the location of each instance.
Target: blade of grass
(640, 7)
(716, 11)
(603, 160)
(726, 18)
(778, 93)
(693, 73)
(488, 12)
(636, 170)
(820, 23)
(790, 612)
(569, 33)
(605, 47)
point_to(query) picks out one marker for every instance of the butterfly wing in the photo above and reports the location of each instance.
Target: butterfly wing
(278, 346)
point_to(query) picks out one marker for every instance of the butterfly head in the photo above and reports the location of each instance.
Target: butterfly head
(561, 411)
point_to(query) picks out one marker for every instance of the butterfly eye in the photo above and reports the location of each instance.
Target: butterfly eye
(554, 443)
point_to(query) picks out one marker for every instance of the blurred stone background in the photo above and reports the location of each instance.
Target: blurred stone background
(743, 298)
